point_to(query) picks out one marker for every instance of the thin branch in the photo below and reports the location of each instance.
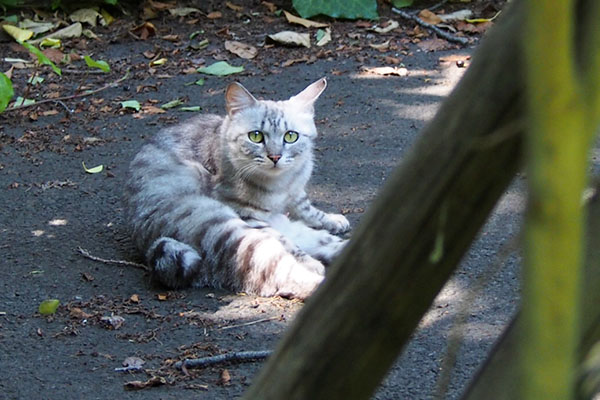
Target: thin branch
(258, 321)
(237, 356)
(87, 254)
(75, 96)
(448, 36)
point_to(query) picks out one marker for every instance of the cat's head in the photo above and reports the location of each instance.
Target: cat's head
(268, 137)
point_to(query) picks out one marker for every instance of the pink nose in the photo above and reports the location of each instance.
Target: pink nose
(274, 157)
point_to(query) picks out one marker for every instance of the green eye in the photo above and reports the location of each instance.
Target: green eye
(290, 137)
(256, 136)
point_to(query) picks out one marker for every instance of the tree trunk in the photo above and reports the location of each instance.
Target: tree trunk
(412, 238)
(499, 379)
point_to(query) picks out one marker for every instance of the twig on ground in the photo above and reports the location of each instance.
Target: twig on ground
(237, 356)
(258, 321)
(87, 254)
(74, 96)
(448, 36)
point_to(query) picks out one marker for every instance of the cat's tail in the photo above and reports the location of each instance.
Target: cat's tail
(239, 258)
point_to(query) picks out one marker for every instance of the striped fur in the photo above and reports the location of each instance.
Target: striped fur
(210, 207)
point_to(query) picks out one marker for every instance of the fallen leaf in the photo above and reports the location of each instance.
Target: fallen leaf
(101, 65)
(234, 7)
(18, 34)
(112, 322)
(323, 37)
(87, 276)
(36, 27)
(392, 24)
(160, 61)
(433, 44)
(85, 15)
(191, 109)
(172, 104)
(429, 17)
(214, 15)
(78, 313)
(134, 298)
(171, 38)
(51, 42)
(144, 31)
(71, 31)
(151, 110)
(396, 71)
(106, 19)
(154, 381)
(292, 19)
(240, 49)
(183, 11)
(480, 20)
(162, 296)
(225, 378)
(291, 38)
(220, 68)
(93, 170)
(459, 15)
(48, 307)
(157, 5)
(133, 104)
(380, 46)
(270, 6)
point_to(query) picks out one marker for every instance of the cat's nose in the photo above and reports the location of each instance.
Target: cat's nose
(274, 157)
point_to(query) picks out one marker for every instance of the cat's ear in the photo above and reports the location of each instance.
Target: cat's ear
(308, 96)
(237, 98)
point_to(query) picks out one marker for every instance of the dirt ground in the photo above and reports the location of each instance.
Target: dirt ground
(52, 207)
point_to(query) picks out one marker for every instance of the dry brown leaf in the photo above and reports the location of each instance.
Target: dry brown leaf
(87, 276)
(292, 19)
(429, 17)
(433, 44)
(380, 46)
(134, 298)
(291, 38)
(240, 49)
(144, 31)
(55, 55)
(152, 110)
(225, 378)
(157, 5)
(270, 6)
(214, 15)
(112, 322)
(78, 313)
(162, 296)
(171, 38)
(234, 7)
(137, 385)
(392, 24)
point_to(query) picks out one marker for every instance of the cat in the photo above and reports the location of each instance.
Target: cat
(221, 201)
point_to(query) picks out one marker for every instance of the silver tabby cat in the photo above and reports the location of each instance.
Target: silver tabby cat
(221, 201)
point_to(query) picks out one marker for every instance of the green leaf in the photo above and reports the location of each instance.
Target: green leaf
(199, 82)
(34, 80)
(192, 108)
(23, 102)
(402, 3)
(111, 2)
(93, 170)
(48, 307)
(102, 65)
(349, 9)
(221, 68)
(172, 104)
(134, 104)
(6, 91)
(42, 59)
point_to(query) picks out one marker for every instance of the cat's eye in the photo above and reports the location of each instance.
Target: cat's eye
(256, 136)
(290, 137)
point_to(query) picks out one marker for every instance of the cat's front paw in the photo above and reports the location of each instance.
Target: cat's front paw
(336, 224)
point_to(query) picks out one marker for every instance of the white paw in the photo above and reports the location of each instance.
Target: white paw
(336, 224)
